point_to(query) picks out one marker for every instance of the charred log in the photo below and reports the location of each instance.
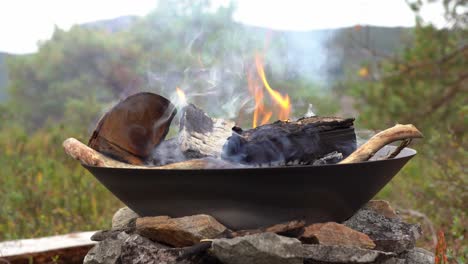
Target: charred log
(199, 136)
(306, 140)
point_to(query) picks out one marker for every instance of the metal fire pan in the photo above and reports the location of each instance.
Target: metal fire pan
(250, 198)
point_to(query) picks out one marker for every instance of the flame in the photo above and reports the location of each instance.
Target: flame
(181, 96)
(281, 101)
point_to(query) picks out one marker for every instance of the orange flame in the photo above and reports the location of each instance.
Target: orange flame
(281, 101)
(181, 95)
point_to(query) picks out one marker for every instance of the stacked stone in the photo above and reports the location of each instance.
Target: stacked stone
(374, 235)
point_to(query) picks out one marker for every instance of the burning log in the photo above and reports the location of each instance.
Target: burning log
(91, 157)
(306, 140)
(202, 136)
(133, 128)
(199, 136)
(378, 141)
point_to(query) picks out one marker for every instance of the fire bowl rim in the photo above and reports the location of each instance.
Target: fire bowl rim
(404, 154)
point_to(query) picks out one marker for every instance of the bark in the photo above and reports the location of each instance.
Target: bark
(375, 143)
(131, 130)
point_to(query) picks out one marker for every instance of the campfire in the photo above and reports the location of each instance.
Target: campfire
(213, 166)
(273, 172)
(284, 177)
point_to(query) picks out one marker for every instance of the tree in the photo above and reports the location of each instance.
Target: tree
(426, 85)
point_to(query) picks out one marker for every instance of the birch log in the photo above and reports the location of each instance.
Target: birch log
(91, 157)
(378, 141)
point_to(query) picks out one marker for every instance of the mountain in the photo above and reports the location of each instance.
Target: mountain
(112, 25)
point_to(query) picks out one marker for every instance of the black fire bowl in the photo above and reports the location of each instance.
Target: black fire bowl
(250, 198)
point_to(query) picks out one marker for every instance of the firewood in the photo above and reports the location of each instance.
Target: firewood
(378, 141)
(91, 157)
(303, 141)
(200, 135)
(133, 128)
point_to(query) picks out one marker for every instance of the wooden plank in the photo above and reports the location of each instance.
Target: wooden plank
(69, 248)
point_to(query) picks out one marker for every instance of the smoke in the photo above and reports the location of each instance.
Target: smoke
(214, 63)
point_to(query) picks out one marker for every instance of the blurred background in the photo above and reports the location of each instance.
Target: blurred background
(64, 63)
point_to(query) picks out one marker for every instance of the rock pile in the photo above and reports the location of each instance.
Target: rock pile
(375, 234)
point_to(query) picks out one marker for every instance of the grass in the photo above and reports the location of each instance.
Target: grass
(43, 192)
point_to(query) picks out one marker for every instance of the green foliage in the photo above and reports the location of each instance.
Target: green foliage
(425, 85)
(44, 192)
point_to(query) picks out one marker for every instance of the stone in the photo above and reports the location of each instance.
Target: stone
(123, 217)
(419, 256)
(179, 232)
(140, 250)
(105, 234)
(413, 256)
(392, 261)
(382, 207)
(107, 251)
(388, 234)
(335, 234)
(264, 248)
(289, 229)
(342, 254)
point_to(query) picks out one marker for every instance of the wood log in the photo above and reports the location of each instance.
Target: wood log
(91, 157)
(131, 130)
(200, 135)
(303, 141)
(378, 141)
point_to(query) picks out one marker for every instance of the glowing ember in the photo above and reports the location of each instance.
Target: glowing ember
(262, 115)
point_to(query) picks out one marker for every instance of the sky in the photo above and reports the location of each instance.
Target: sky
(25, 22)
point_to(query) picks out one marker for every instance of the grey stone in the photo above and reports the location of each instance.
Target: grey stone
(388, 234)
(392, 261)
(105, 234)
(123, 217)
(140, 250)
(107, 251)
(264, 248)
(413, 256)
(343, 254)
(419, 256)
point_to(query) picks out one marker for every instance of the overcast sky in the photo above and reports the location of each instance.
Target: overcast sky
(24, 22)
